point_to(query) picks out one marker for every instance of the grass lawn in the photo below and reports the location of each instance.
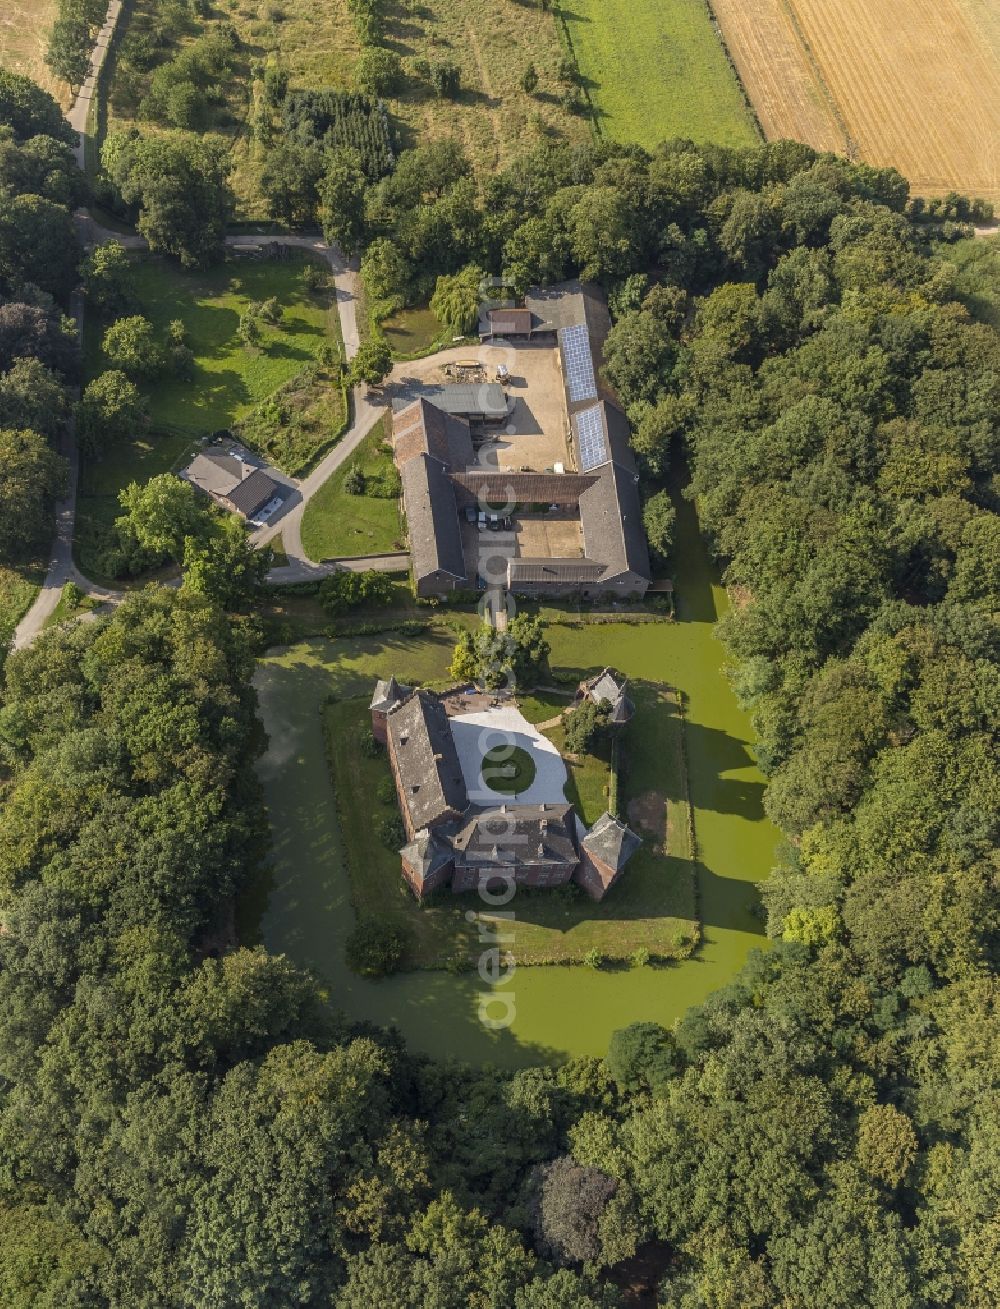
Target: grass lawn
(540, 706)
(228, 382)
(656, 69)
(653, 907)
(509, 770)
(19, 584)
(337, 524)
(24, 37)
(71, 605)
(229, 379)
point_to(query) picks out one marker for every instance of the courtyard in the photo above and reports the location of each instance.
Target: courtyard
(477, 734)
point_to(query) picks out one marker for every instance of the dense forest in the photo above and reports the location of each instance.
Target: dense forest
(184, 1122)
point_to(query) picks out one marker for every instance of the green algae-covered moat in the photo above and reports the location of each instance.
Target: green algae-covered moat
(558, 1011)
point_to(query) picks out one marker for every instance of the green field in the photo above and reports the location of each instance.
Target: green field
(656, 69)
(229, 380)
(336, 524)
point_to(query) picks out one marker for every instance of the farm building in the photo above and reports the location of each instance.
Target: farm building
(604, 550)
(232, 482)
(451, 842)
(477, 402)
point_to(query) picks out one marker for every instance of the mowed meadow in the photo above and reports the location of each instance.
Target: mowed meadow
(914, 84)
(24, 36)
(655, 69)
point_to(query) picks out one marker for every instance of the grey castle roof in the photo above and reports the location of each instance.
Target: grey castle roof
(432, 518)
(608, 687)
(568, 304)
(430, 776)
(389, 693)
(610, 841)
(425, 854)
(517, 834)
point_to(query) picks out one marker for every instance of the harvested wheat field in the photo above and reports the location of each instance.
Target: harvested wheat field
(911, 83)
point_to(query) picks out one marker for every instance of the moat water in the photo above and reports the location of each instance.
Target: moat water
(560, 1011)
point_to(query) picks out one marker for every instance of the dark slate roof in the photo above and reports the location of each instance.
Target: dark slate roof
(461, 398)
(611, 519)
(425, 854)
(519, 835)
(253, 493)
(501, 486)
(612, 842)
(388, 693)
(432, 518)
(554, 571)
(421, 427)
(430, 776)
(569, 303)
(609, 687)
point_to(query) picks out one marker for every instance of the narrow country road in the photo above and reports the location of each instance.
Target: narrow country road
(61, 568)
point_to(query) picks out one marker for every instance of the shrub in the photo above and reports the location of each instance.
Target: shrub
(369, 744)
(374, 948)
(386, 791)
(446, 78)
(312, 277)
(586, 725)
(391, 832)
(354, 480)
(594, 959)
(640, 958)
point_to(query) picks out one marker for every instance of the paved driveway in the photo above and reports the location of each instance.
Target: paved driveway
(474, 734)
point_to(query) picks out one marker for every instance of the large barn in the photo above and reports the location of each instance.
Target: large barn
(442, 482)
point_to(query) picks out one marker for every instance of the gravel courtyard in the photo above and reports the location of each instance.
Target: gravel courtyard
(476, 733)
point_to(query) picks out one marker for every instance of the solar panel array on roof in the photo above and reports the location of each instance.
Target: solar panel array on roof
(578, 363)
(590, 432)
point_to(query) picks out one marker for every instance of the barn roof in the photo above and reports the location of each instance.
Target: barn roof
(432, 518)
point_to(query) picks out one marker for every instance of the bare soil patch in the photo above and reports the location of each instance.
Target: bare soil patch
(649, 812)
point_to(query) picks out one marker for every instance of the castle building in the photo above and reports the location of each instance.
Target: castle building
(453, 843)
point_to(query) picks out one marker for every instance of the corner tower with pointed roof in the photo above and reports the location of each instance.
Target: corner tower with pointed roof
(604, 852)
(388, 694)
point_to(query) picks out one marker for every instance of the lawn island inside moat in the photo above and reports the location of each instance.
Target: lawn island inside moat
(455, 757)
